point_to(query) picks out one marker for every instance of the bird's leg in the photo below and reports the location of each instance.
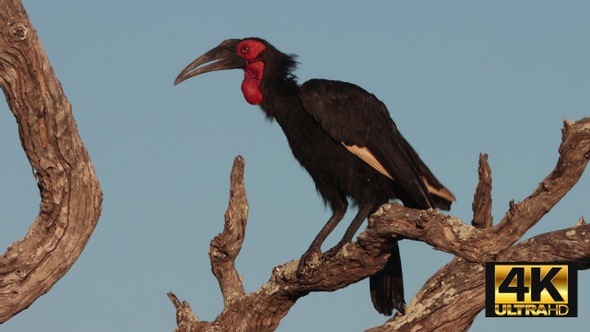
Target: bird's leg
(362, 214)
(311, 258)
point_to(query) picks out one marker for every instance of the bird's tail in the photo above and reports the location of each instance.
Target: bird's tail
(387, 286)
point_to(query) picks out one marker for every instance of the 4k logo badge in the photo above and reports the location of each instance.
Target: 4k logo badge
(531, 290)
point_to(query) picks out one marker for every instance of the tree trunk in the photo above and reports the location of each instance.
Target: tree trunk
(70, 193)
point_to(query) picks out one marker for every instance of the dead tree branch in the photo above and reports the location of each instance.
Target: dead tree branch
(438, 305)
(226, 246)
(482, 200)
(70, 193)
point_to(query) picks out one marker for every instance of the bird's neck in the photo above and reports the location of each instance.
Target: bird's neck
(279, 96)
(251, 84)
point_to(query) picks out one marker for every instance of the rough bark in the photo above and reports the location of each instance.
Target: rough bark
(438, 305)
(482, 199)
(70, 193)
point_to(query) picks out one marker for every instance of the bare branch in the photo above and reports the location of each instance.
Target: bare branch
(70, 193)
(574, 153)
(264, 308)
(482, 200)
(226, 246)
(185, 317)
(569, 245)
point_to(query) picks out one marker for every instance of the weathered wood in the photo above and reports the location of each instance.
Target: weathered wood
(439, 305)
(482, 200)
(226, 246)
(70, 193)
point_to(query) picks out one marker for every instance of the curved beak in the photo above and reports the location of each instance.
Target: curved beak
(222, 57)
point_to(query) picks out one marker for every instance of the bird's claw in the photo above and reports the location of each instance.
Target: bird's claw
(334, 250)
(309, 262)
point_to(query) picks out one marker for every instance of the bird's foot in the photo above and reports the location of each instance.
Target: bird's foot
(334, 250)
(309, 262)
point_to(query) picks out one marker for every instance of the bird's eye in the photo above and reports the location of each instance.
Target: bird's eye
(245, 49)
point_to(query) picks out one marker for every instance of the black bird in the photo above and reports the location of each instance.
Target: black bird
(345, 139)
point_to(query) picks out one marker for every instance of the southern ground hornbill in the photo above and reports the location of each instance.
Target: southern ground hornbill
(345, 139)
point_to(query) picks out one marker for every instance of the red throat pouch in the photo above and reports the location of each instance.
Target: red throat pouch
(251, 83)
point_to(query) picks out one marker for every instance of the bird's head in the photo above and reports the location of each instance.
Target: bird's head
(246, 54)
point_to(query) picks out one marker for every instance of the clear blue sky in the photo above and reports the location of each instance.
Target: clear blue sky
(458, 77)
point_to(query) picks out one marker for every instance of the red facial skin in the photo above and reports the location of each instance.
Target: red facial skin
(250, 50)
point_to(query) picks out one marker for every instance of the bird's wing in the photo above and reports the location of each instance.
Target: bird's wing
(361, 122)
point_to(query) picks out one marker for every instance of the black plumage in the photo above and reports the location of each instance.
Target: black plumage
(345, 139)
